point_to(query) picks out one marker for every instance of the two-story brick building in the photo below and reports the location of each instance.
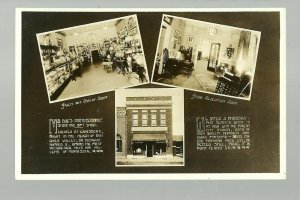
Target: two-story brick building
(144, 127)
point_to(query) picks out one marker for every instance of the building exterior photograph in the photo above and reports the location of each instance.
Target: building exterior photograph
(149, 127)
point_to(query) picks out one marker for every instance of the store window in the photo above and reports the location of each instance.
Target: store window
(119, 143)
(135, 121)
(144, 118)
(163, 118)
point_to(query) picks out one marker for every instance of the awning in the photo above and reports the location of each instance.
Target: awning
(149, 137)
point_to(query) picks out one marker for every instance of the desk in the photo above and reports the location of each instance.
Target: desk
(175, 67)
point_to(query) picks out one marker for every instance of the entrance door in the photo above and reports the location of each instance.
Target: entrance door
(213, 56)
(95, 56)
(164, 42)
(150, 149)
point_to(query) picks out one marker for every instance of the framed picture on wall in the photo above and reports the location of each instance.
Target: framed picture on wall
(190, 39)
(179, 40)
(176, 34)
(131, 23)
(60, 43)
(168, 20)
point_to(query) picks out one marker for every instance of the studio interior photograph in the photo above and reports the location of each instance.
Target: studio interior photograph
(206, 57)
(92, 58)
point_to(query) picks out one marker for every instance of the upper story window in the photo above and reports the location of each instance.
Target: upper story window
(153, 119)
(144, 118)
(135, 121)
(163, 118)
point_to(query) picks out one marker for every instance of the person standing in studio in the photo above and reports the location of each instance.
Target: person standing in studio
(165, 58)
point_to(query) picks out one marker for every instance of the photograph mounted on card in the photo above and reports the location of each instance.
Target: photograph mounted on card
(196, 120)
(92, 58)
(211, 58)
(149, 127)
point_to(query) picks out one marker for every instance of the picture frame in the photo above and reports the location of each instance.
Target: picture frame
(176, 34)
(190, 39)
(168, 20)
(179, 40)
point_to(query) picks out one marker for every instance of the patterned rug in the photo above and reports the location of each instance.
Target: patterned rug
(205, 82)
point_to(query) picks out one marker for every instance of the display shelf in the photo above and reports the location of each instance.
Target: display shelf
(49, 47)
(54, 66)
(57, 77)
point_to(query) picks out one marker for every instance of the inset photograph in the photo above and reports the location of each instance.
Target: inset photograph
(92, 58)
(206, 57)
(149, 127)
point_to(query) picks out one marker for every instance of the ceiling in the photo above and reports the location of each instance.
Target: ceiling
(206, 25)
(88, 27)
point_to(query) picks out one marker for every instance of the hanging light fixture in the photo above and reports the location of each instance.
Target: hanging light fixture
(92, 38)
(212, 30)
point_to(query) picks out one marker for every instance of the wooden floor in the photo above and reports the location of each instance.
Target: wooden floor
(95, 79)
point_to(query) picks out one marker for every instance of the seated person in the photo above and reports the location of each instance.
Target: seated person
(119, 54)
(139, 59)
(179, 56)
(129, 63)
(138, 66)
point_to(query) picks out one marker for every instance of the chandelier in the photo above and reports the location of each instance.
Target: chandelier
(212, 30)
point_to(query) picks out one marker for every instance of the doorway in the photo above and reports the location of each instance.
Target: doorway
(160, 148)
(150, 149)
(164, 42)
(213, 56)
(95, 56)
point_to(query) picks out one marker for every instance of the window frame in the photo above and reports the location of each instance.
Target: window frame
(135, 120)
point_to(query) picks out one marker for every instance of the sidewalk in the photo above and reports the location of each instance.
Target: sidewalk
(150, 161)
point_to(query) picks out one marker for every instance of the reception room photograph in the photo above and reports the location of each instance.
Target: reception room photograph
(206, 57)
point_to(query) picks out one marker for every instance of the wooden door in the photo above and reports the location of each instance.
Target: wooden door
(150, 150)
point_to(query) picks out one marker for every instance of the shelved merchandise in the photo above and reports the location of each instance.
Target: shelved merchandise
(75, 52)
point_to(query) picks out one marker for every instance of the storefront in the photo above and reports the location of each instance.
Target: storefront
(149, 144)
(145, 127)
(149, 148)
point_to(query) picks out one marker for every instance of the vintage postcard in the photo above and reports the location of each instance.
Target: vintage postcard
(213, 106)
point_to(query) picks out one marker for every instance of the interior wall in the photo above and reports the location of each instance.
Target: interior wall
(52, 37)
(249, 64)
(164, 38)
(179, 25)
(63, 38)
(121, 25)
(101, 34)
(223, 36)
(160, 48)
